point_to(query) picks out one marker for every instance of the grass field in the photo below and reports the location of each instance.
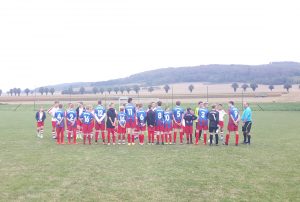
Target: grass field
(39, 170)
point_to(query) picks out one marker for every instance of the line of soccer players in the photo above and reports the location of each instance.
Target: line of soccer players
(162, 125)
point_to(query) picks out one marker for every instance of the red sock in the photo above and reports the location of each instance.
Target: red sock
(166, 138)
(181, 137)
(158, 138)
(128, 138)
(103, 136)
(140, 138)
(114, 137)
(119, 136)
(69, 137)
(236, 139)
(149, 136)
(96, 136)
(204, 138)
(187, 137)
(175, 137)
(108, 136)
(152, 137)
(74, 136)
(197, 137)
(162, 138)
(132, 138)
(89, 138)
(143, 139)
(123, 137)
(84, 138)
(227, 139)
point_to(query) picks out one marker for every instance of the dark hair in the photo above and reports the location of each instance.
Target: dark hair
(188, 109)
(99, 102)
(60, 106)
(159, 103)
(178, 103)
(149, 106)
(220, 105)
(231, 102)
(213, 106)
(129, 100)
(56, 102)
(200, 102)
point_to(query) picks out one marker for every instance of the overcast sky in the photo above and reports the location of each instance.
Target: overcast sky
(59, 41)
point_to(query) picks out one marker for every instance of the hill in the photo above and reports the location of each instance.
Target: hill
(275, 73)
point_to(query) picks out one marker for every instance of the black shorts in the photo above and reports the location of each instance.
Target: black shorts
(247, 127)
(213, 129)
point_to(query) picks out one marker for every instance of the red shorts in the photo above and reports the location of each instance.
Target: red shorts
(111, 130)
(100, 126)
(176, 126)
(87, 128)
(141, 128)
(168, 129)
(160, 128)
(221, 124)
(40, 124)
(121, 130)
(188, 129)
(231, 127)
(202, 127)
(131, 124)
(53, 124)
(71, 128)
(151, 129)
(79, 123)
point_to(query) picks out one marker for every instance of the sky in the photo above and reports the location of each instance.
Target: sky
(61, 41)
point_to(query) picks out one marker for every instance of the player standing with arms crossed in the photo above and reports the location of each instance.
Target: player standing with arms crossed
(159, 123)
(151, 124)
(100, 114)
(178, 114)
(202, 123)
(233, 123)
(130, 120)
(52, 112)
(60, 124)
(247, 123)
(213, 117)
(71, 123)
(40, 118)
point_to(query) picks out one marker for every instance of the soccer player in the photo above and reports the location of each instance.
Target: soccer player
(71, 123)
(87, 119)
(213, 117)
(178, 114)
(222, 114)
(247, 122)
(141, 123)
(121, 125)
(100, 114)
(189, 119)
(151, 124)
(233, 123)
(159, 123)
(130, 120)
(111, 123)
(196, 121)
(60, 124)
(79, 110)
(202, 123)
(52, 112)
(40, 118)
(168, 125)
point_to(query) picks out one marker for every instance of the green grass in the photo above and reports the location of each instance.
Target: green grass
(39, 170)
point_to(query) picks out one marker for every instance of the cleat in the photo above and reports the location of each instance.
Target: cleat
(157, 143)
(132, 144)
(108, 144)
(114, 143)
(170, 143)
(162, 143)
(129, 144)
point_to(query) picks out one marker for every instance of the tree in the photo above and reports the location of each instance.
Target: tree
(271, 87)
(11, 91)
(95, 90)
(191, 88)
(101, 90)
(109, 90)
(287, 86)
(167, 88)
(42, 90)
(52, 90)
(19, 91)
(150, 89)
(0, 92)
(15, 91)
(254, 86)
(116, 89)
(245, 86)
(46, 90)
(82, 90)
(128, 89)
(27, 91)
(70, 90)
(122, 89)
(136, 88)
(235, 86)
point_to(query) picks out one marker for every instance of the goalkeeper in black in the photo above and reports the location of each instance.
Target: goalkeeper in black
(213, 117)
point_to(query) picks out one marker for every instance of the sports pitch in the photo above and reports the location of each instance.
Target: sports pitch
(39, 170)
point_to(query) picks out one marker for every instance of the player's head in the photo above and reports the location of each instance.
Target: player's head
(122, 109)
(214, 106)
(41, 108)
(130, 100)
(167, 108)
(246, 104)
(220, 106)
(150, 106)
(140, 106)
(99, 102)
(71, 105)
(178, 103)
(200, 103)
(189, 110)
(111, 105)
(60, 106)
(230, 103)
(159, 103)
(80, 104)
(205, 104)
(56, 103)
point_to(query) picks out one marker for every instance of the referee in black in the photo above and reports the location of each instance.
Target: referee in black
(213, 117)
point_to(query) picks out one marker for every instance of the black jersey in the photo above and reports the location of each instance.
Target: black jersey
(213, 117)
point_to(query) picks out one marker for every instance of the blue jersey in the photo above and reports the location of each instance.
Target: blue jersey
(203, 116)
(168, 119)
(178, 114)
(122, 118)
(247, 115)
(71, 117)
(87, 117)
(59, 116)
(159, 116)
(130, 112)
(234, 112)
(141, 117)
(99, 112)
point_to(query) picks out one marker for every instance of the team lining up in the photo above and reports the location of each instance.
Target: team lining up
(162, 124)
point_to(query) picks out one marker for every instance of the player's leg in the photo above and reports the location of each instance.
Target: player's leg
(62, 136)
(42, 130)
(197, 135)
(211, 136)
(248, 129)
(74, 135)
(113, 136)
(244, 133)
(175, 134)
(181, 134)
(57, 135)
(236, 129)
(217, 136)
(54, 135)
(204, 136)
(69, 131)
(108, 135)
